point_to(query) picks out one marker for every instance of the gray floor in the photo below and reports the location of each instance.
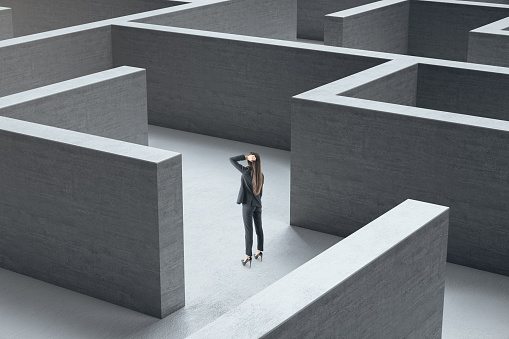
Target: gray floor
(476, 302)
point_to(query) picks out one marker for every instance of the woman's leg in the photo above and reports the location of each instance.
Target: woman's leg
(257, 216)
(247, 215)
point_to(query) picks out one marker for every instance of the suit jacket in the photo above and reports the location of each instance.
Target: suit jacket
(246, 195)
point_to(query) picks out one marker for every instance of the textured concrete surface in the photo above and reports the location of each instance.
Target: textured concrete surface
(311, 15)
(214, 232)
(379, 26)
(366, 286)
(429, 28)
(476, 302)
(398, 86)
(459, 90)
(40, 71)
(476, 306)
(228, 86)
(262, 18)
(490, 44)
(504, 2)
(34, 16)
(429, 19)
(354, 159)
(27, 63)
(94, 215)
(45, 58)
(111, 104)
(6, 23)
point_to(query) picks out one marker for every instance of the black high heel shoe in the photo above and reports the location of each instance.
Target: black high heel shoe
(259, 255)
(244, 262)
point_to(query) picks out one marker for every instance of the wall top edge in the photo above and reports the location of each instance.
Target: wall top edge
(409, 111)
(52, 34)
(258, 40)
(465, 3)
(358, 79)
(355, 252)
(390, 67)
(69, 85)
(99, 24)
(83, 140)
(190, 5)
(365, 8)
(491, 31)
(382, 56)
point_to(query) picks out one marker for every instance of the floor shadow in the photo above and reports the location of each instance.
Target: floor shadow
(30, 306)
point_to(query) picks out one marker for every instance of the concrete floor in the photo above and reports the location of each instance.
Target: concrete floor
(476, 302)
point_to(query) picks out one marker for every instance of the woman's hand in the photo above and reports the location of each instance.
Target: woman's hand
(251, 158)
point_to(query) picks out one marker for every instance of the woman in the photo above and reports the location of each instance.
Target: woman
(250, 196)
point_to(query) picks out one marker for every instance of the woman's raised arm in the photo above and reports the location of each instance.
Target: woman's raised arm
(235, 162)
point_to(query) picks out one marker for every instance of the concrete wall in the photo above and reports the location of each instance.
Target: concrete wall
(398, 87)
(366, 286)
(228, 86)
(34, 16)
(31, 62)
(262, 18)
(6, 23)
(465, 91)
(380, 26)
(450, 89)
(95, 215)
(429, 19)
(490, 44)
(311, 15)
(355, 159)
(504, 2)
(111, 104)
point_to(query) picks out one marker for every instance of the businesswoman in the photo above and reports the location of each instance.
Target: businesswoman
(250, 196)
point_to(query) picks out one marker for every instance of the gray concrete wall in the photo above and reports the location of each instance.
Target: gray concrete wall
(6, 31)
(228, 86)
(429, 19)
(490, 49)
(111, 104)
(504, 2)
(34, 16)
(262, 18)
(490, 44)
(380, 26)
(366, 286)
(311, 15)
(398, 87)
(353, 159)
(31, 62)
(465, 91)
(95, 215)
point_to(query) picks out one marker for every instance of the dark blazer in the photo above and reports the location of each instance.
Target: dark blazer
(246, 195)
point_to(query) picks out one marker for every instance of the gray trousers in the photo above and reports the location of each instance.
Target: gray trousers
(248, 214)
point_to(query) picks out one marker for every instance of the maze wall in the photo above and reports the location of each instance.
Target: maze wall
(376, 275)
(37, 16)
(34, 61)
(490, 44)
(353, 157)
(374, 100)
(232, 82)
(111, 104)
(5, 23)
(237, 17)
(92, 214)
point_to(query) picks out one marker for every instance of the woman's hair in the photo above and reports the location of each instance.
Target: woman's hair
(256, 173)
